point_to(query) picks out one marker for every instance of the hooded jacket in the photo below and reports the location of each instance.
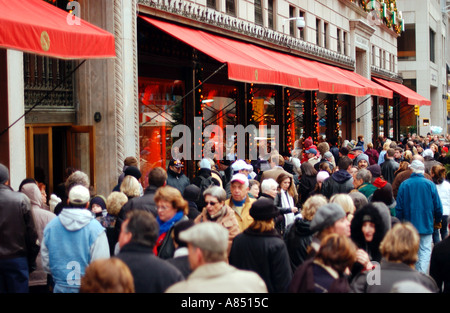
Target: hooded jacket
(339, 182)
(41, 218)
(71, 242)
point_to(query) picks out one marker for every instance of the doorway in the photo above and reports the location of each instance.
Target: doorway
(51, 149)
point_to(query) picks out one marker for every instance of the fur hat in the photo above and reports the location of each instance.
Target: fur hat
(133, 171)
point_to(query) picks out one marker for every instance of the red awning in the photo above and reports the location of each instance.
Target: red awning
(246, 62)
(250, 63)
(38, 27)
(413, 97)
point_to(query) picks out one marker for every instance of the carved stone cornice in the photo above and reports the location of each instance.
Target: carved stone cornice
(207, 19)
(384, 74)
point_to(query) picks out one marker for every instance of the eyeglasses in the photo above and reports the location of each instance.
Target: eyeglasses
(212, 203)
(162, 208)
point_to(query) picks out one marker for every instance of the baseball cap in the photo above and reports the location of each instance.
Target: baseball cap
(239, 177)
(176, 163)
(207, 236)
(79, 195)
(311, 150)
(241, 165)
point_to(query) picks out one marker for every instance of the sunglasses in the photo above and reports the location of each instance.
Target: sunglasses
(212, 203)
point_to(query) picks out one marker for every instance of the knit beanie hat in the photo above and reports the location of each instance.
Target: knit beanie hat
(326, 216)
(263, 209)
(321, 176)
(133, 171)
(375, 169)
(4, 174)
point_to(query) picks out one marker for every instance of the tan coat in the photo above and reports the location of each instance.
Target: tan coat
(244, 219)
(220, 278)
(227, 220)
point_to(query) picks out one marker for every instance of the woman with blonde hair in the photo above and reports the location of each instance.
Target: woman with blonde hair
(346, 203)
(399, 249)
(131, 187)
(171, 208)
(114, 203)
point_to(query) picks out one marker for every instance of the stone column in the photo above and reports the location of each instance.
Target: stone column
(109, 86)
(360, 33)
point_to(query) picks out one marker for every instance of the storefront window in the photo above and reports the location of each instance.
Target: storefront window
(295, 114)
(160, 108)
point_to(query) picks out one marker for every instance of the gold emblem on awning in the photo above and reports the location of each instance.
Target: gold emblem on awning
(299, 82)
(45, 41)
(256, 74)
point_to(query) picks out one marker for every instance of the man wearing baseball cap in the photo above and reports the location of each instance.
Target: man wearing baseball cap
(175, 175)
(207, 246)
(418, 202)
(239, 201)
(72, 241)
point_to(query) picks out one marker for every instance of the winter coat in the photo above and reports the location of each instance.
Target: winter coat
(339, 182)
(373, 156)
(306, 186)
(439, 269)
(429, 162)
(264, 253)
(367, 189)
(150, 273)
(244, 219)
(227, 219)
(381, 228)
(389, 274)
(388, 169)
(177, 180)
(18, 234)
(312, 277)
(145, 203)
(418, 202)
(74, 237)
(41, 218)
(220, 277)
(298, 237)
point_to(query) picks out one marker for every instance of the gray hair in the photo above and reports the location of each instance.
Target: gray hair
(77, 178)
(365, 175)
(268, 184)
(217, 192)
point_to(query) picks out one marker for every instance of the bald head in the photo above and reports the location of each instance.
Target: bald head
(418, 157)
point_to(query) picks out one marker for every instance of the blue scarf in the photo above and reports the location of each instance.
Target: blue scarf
(238, 203)
(165, 226)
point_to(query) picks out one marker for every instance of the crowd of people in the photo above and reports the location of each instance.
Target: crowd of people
(333, 216)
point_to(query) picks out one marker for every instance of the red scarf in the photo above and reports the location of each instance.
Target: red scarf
(379, 182)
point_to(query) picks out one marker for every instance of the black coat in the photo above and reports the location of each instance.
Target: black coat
(264, 253)
(440, 265)
(146, 203)
(298, 238)
(181, 263)
(305, 188)
(388, 169)
(178, 181)
(150, 273)
(339, 182)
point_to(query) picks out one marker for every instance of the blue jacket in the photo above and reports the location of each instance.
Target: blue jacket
(418, 202)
